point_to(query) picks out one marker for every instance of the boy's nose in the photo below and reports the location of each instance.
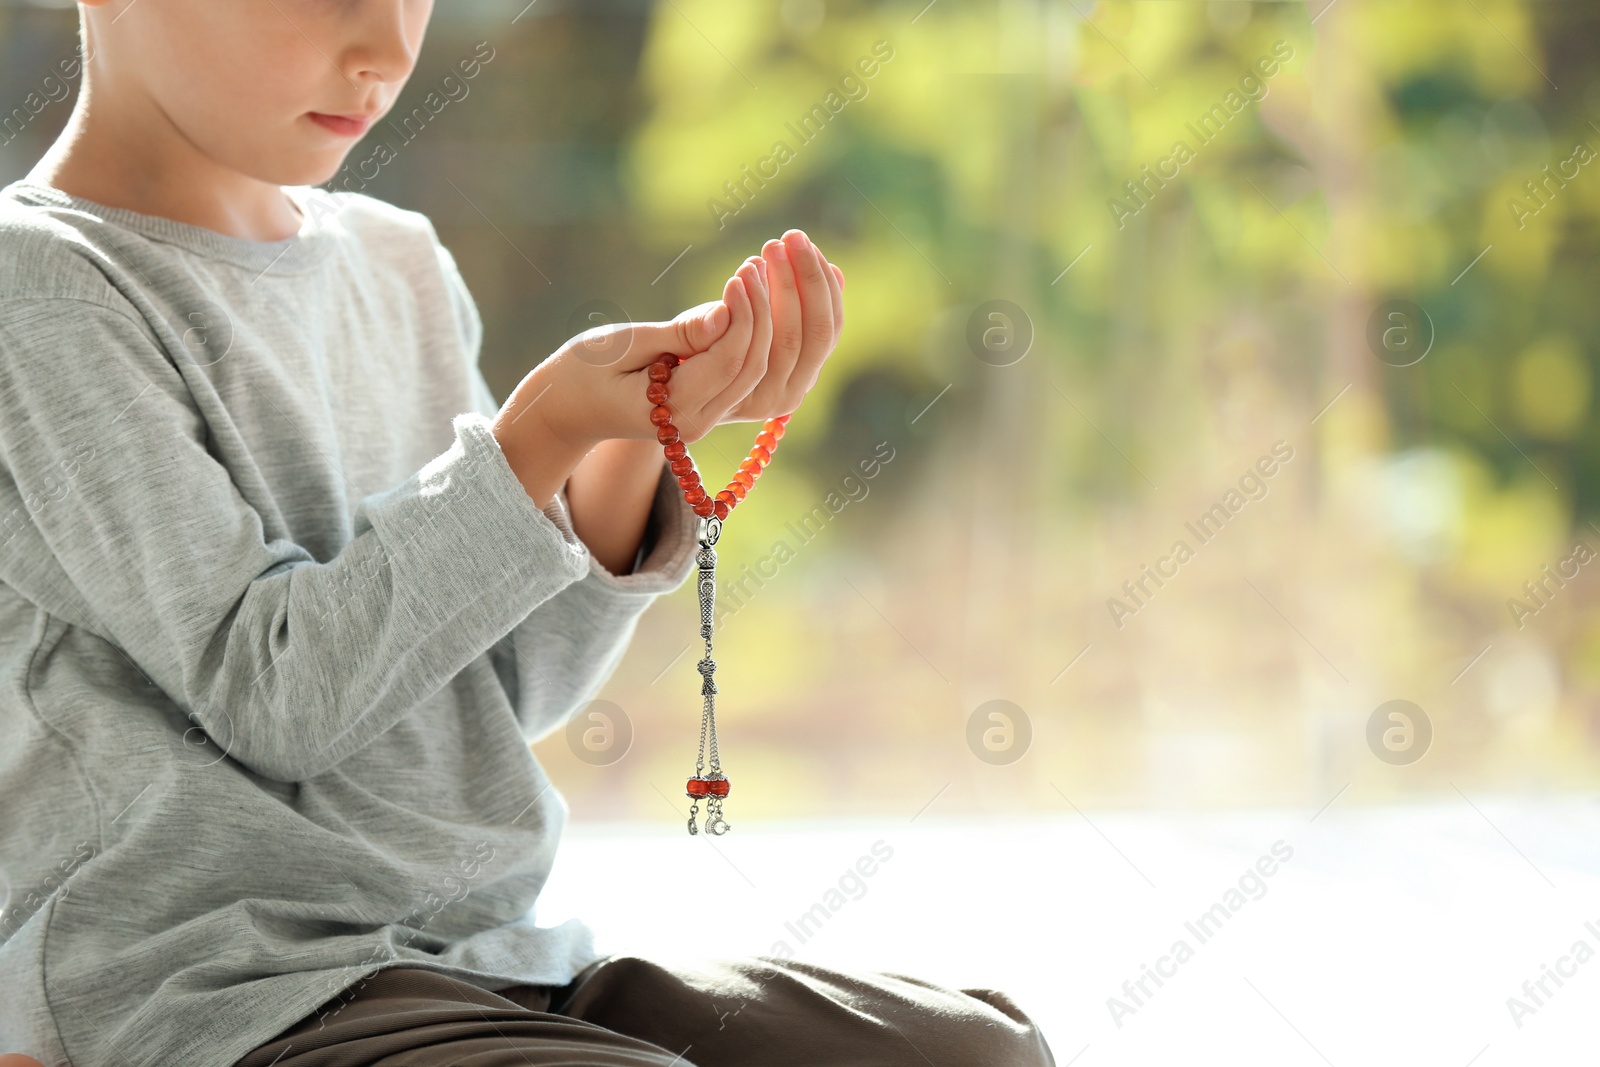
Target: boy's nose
(385, 41)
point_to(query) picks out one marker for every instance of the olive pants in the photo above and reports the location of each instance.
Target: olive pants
(625, 1011)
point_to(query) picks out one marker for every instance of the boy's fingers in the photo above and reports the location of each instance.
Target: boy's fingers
(754, 369)
(836, 290)
(761, 338)
(816, 306)
(704, 377)
(805, 375)
(786, 336)
(730, 349)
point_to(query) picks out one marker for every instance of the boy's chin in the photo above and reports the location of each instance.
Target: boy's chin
(308, 170)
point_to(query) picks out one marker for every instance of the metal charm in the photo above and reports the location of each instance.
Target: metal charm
(706, 559)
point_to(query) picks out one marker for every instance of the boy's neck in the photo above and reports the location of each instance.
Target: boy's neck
(159, 173)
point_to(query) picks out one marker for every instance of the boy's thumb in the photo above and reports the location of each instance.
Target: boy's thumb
(635, 345)
(697, 329)
(694, 330)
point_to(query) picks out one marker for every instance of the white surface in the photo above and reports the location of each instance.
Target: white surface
(1392, 936)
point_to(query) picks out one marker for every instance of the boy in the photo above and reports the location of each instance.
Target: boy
(284, 595)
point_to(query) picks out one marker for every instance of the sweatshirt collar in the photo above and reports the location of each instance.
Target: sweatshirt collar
(319, 220)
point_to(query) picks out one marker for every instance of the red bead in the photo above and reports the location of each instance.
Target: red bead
(719, 787)
(677, 451)
(697, 787)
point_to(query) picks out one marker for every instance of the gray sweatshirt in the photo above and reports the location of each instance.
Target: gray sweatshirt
(277, 625)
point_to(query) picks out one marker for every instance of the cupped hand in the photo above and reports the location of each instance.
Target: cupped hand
(750, 356)
(593, 388)
(807, 319)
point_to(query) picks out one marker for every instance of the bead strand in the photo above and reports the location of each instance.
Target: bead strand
(703, 503)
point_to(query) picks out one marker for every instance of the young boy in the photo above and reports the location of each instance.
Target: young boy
(284, 595)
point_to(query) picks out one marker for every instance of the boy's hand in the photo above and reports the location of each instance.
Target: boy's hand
(807, 317)
(597, 380)
(592, 389)
(746, 358)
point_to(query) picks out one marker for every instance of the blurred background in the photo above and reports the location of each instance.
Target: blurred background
(1104, 259)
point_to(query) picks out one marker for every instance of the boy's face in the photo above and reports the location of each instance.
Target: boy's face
(278, 90)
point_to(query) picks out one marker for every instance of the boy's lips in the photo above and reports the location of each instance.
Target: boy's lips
(344, 125)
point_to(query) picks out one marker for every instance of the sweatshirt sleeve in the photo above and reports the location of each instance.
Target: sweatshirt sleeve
(557, 658)
(112, 506)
